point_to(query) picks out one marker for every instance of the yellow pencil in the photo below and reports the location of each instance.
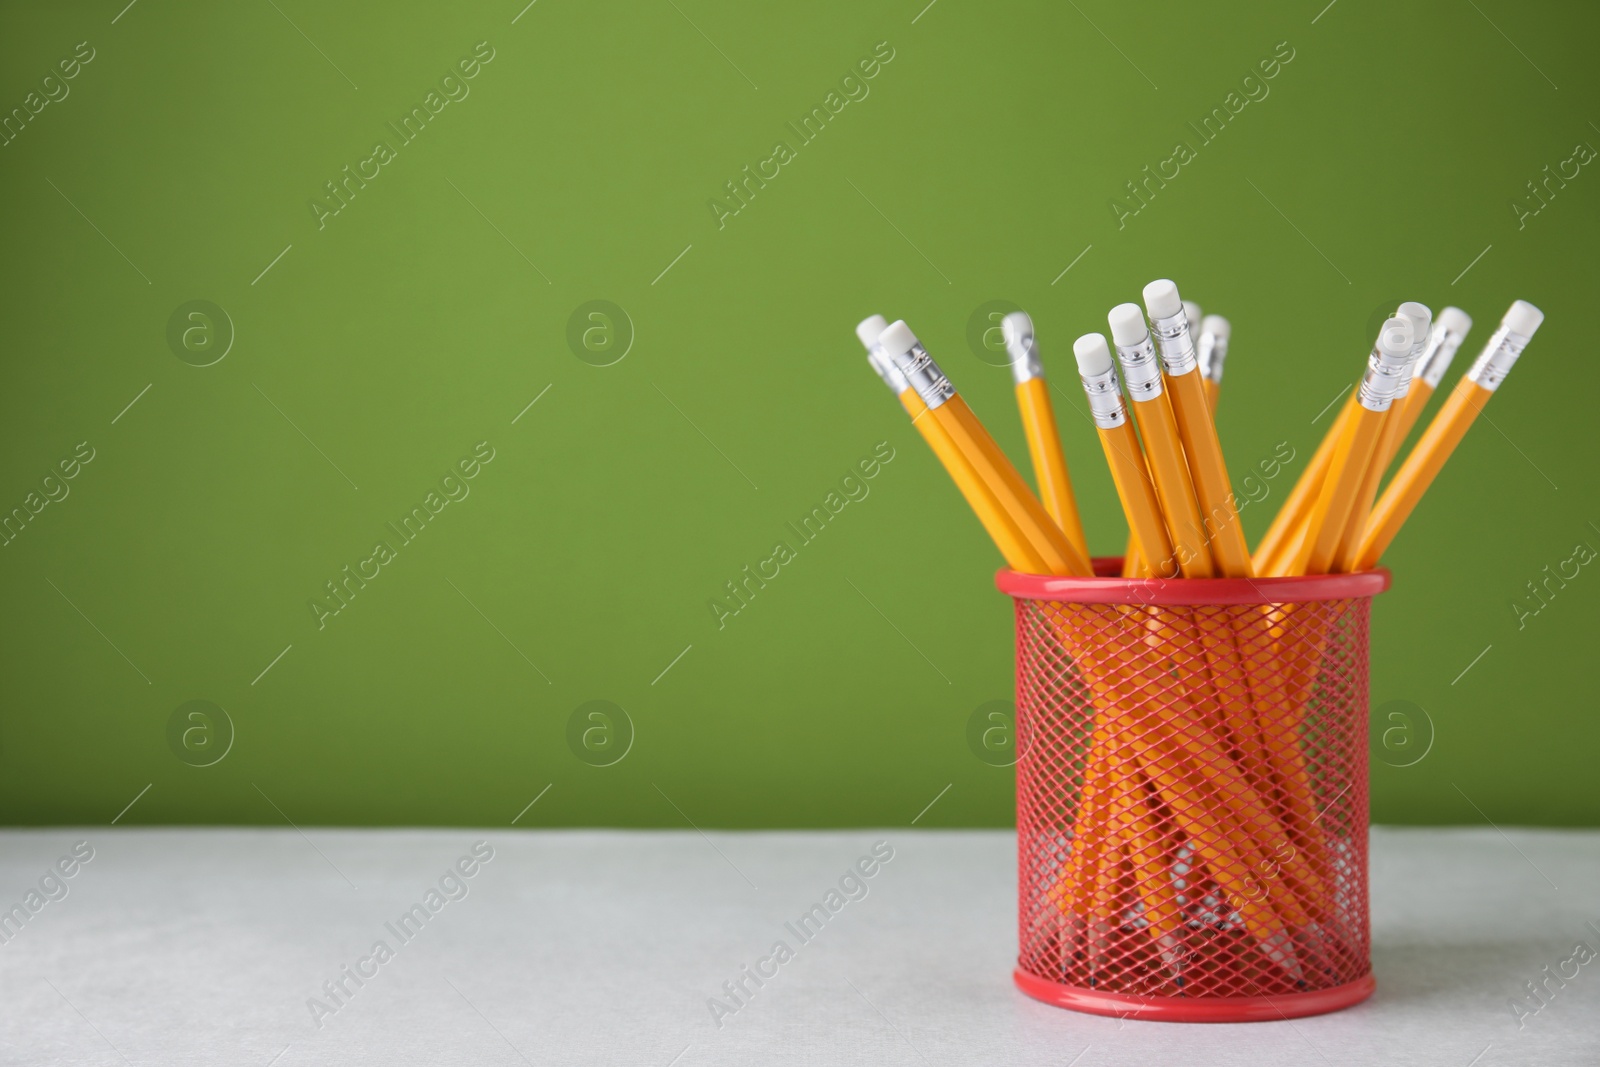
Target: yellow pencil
(1132, 559)
(1471, 393)
(1132, 564)
(1373, 399)
(1419, 320)
(1236, 682)
(1444, 339)
(1158, 428)
(947, 408)
(1019, 556)
(1128, 471)
(1211, 348)
(1198, 432)
(1039, 425)
(1287, 531)
(1191, 312)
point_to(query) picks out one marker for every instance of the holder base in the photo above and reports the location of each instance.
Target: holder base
(1197, 1009)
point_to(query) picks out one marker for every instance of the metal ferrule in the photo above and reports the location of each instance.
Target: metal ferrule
(1140, 370)
(1442, 345)
(887, 371)
(1105, 399)
(1418, 351)
(1403, 383)
(1381, 384)
(1212, 352)
(1175, 343)
(924, 375)
(1025, 364)
(1498, 357)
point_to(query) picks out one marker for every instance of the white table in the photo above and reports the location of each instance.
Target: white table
(180, 946)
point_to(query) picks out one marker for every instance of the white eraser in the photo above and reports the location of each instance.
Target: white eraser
(1016, 328)
(1523, 318)
(1217, 326)
(1191, 311)
(1420, 318)
(1093, 354)
(868, 330)
(1455, 320)
(1127, 324)
(1161, 299)
(1394, 339)
(897, 339)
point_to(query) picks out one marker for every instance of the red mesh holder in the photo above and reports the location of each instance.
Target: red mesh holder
(1192, 794)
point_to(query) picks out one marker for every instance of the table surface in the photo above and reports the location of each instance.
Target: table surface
(196, 946)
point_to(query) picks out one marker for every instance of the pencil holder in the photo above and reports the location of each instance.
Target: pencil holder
(1192, 794)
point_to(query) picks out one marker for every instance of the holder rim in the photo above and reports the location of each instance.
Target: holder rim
(1107, 588)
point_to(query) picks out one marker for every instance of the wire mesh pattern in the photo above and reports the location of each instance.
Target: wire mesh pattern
(1192, 808)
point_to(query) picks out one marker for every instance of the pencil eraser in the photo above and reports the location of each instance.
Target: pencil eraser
(897, 339)
(1420, 318)
(1093, 354)
(1217, 326)
(869, 328)
(1394, 340)
(1523, 318)
(1191, 311)
(1455, 320)
(1016, 328)
(1127, 324)
(1161, 299)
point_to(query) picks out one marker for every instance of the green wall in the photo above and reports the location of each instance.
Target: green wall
(378, 351)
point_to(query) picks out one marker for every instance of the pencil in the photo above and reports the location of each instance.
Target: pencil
(1013, 547)
(1191, 312)
(1449, 330)
(867, 331)
(1278, 545)
(1039, 426)
(1448, 427)
(1373, 399)
(1132, 565)
(1419, 320)
(1212, 350)
(1172, 475)
(1196, 429)
(1235, 680)
(990, 464)
(1128, 471)
(1132, 559)
(1158, 428)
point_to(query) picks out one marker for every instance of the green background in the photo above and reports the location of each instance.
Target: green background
(378, 350)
